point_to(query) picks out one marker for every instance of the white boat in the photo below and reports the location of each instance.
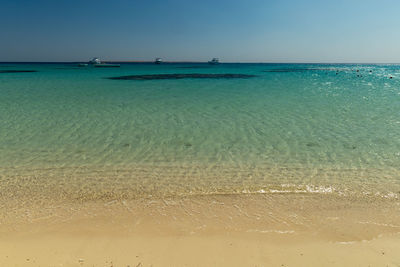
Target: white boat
(214, 61)
(95, 61)
(158, 61)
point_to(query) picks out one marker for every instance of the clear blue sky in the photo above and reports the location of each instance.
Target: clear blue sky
(233, 30)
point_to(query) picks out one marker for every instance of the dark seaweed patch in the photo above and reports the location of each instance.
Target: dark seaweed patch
(181, 76)
(16, 71)
(349, 146)
(312, 144)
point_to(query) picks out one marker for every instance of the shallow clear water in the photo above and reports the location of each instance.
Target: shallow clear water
(314, 128)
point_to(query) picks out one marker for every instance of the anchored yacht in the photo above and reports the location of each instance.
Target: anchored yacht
(214, 61)
(96, 62)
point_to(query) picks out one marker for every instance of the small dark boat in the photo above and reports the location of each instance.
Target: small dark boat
(214, 61)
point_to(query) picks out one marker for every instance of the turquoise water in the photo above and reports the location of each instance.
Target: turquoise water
(293, 127)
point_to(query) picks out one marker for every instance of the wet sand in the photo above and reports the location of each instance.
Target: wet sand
(215, 230)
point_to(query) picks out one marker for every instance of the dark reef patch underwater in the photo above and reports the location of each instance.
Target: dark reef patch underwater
(16, 71)
(181, 76)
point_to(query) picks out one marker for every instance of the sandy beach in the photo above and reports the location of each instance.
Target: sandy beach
(217, 230)
(49, 249)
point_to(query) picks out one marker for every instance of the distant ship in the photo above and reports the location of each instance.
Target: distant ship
(96, 62)
(214, 61)
(158, 61)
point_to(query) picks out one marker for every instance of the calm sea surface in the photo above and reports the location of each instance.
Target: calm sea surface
(305, 128)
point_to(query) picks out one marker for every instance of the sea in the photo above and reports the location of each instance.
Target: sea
(270, 128)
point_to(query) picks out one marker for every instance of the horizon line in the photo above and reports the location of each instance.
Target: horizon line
(197, 62)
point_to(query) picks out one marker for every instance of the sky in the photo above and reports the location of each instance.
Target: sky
(363, 31)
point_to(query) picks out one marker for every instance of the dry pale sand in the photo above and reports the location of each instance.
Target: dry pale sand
(58, 249)
(225, 230)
